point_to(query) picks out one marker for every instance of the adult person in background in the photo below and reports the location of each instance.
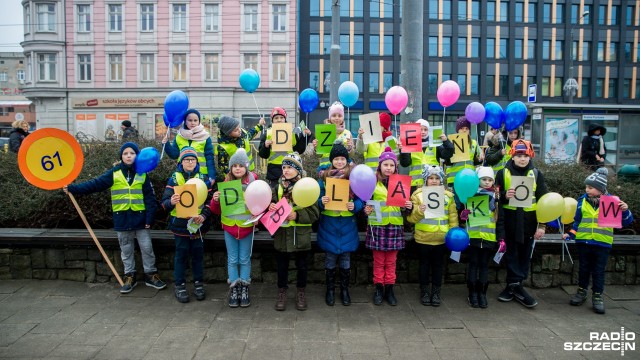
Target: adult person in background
(592, 149)
(129, 132)
(19, 132)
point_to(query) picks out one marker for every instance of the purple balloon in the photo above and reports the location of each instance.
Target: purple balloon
(362, 181)
(474, 112)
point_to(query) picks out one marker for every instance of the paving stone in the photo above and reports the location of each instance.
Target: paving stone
(9, 333)
(412, 350)
(60, 323)
(404, 331)
(75, 351)
(452, 338)
(221, 350)
(508, 349)
(369, 342)
(93, 334)
(33, 346)
(323, 350)
(126, 347)
(145, 325)
(228, 330)
(267, 339)
(461, 354)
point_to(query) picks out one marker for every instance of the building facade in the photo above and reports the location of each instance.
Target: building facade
(13, 105)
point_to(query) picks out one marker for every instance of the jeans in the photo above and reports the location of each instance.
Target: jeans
(518, 259)
(593, 261)
(128, 246)
(384, 267)
(478, 264)
(186, 246)
(238, 257)
(282, 261)
(431, 260)
(342, 260)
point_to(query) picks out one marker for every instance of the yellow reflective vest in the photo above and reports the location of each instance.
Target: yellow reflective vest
(505, 159)
(127, 197)
(455, 168)
(440, 224)
(507, 186)
(288, 223)
(276, 157)
(418, 160)
(588, 228)
(238, 219)
(232, 148)
(198, 146)
(181, 181)
(390, 214)
(372, 155)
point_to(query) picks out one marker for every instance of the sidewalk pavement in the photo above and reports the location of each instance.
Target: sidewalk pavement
(54, 319)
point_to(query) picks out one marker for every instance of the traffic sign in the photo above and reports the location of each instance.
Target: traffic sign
(533, 89)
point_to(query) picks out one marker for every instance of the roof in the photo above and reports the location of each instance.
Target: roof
(15, 102)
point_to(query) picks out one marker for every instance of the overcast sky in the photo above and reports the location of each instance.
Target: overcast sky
(11, 30)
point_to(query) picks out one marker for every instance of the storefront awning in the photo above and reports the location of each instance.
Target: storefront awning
(15, 102)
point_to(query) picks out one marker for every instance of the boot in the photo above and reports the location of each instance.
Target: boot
(435, 296)
(301, 300)
(473, 295)
(234, 299)
(281, 302)
(378, 294)
(506, 294)
(520, 294)
(389, 295)
(345, 274)
(245, 301)
(482, 294)
(598, 303)
(425, 297)
(579, 298)
(329, 297)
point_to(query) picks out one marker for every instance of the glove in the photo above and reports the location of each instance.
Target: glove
(464, 214)
(503, 246)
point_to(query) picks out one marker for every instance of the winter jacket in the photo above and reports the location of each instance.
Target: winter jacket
(129, 133)
(123, 220)
(590, 147)
(431, 238)
(173, 151)
(338, 234)
(295, 238)
(274, 171)
(627, 219)
(238, 232)
(15, 139)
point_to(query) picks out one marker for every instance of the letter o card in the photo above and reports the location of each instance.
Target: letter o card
(282, 137)
(524, 191)
(338, 193)
(187, 207)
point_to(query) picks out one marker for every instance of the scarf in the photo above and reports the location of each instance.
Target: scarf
(198, 133)
(425, 142)
(287, 187)
(593, 201)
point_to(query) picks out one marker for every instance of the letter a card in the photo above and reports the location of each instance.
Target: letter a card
(338, 193)
(399, 190)
(273, 219)
(282, 137)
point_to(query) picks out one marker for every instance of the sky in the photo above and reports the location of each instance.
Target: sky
(11, 30)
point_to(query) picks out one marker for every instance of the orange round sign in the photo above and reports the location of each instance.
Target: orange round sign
(50, 158)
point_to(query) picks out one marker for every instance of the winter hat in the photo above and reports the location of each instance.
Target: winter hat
(192, 111)
(423, 122)
(186, 152)
(385, 120)
(388, 154)
(428, 170)
(293, 159)
(336, 107)
(240, 157)
(521, 147)
(227, 124)
(462, 122)
(485, 171)
(131, 145)
(278, 111)
(337, 150)
(598, 180)
(126, 123)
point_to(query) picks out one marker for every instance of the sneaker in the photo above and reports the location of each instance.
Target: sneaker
(181, 293)
(154, 281)
(579, 297)
(245, 301)
(506, 294)
(199, 290)
(129, 283)
(598, 303)
(234, 299)
(520, 294)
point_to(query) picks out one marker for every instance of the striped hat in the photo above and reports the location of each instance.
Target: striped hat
(186, 152)
(598, 180)
(293, 159)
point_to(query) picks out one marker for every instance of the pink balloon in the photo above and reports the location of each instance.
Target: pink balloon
(448, 93)
(257, 196)
(396, 99)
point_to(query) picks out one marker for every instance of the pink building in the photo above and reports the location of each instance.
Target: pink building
(93, 63)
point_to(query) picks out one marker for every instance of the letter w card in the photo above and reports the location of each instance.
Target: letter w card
(273, 219)
(480, 213)
(338, 193)
(231, 198)
(609, 213)
(399, 190)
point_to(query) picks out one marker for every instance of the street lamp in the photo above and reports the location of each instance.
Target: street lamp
(571, 86)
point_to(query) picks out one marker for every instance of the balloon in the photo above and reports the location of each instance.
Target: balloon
(549, 207)
(175, 106)
(348, 93)
(448, 93)
(305, 192)
(396, 99)
(249, 80)
(308, 100)
(201, 189)
(493, 114)
(257, 196)
(362, 182)
(570, 206)
(474, 112)
(166, 121)
(147, 160)
(514, 115)
(457, 239)
(466, 184)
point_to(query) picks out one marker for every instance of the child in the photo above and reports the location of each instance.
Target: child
(593, 242)
(499, 152)
(274, 163)
(429, 235)
(385, 238)
(231, 138)
(482, 242)
(520, 225)
(192, 133)
(187, 243)
(463, 127)
(237, 237)
(336, 116)
(294, 235)
(373, 151)
(134, 205)
(338, 230)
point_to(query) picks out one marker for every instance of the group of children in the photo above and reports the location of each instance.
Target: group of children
(511, 230)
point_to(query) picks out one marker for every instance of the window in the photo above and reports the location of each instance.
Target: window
(179, 67)
(559, 49)
(613, 88)
(491, 11)
(314, 44)
(358, 45)
(29, 68)
(251, 61)
(504, 11)
(433, 9)
(115, 18)
(532, 12)
(518, 48)
(490, 84)
(387, 11)
(504, 85)
(462, 83)
(344, 44)
(374, 45)
(211, 17)
(388, 45)
(557, 87)
(327, 7)
(546, 13)
(587, 19)
(84, 67)
(546, 82)
(179, 17)
(280, 17)
(146, 17)
(4, 76)
(326, 44)
(433, 46)
(602, 18)
(613, 51)
(627, 51)
(115, 67)
(374, 82)
(615, 9)
(531, 49)
(344, 10)
(586, 50)
(279, 67)
(504, 48)
(462, 47)
(387, 81)
(446, 46)
(626, 88)
(84, 18)
(211, 65)
(491, 48)
(47, 67)
(250, 17)
(433, 83)
(358, 11)
(20, 75)
(599, 88)
(600, 55)
(546, 49)
(147, 65)
(446, 9)
(517, 85)
(46, 17)
(630, 18)
(374, 9)
(560, 13)
(519, 15)
(314, 80)
(27, 19)
(475, 84)
(314, 8)
(586, 87)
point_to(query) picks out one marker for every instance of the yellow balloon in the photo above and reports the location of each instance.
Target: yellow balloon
(549, 207)
(201, 189)
(570, 206)
(305, 192)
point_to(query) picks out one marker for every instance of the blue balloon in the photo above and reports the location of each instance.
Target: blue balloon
(515, 115)
(308, 100)
(493, 115)
(166, 121)
(147, 160)
(348, 93)
(175, 106)
(249, 80)
(457, 239)
(465, 184)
